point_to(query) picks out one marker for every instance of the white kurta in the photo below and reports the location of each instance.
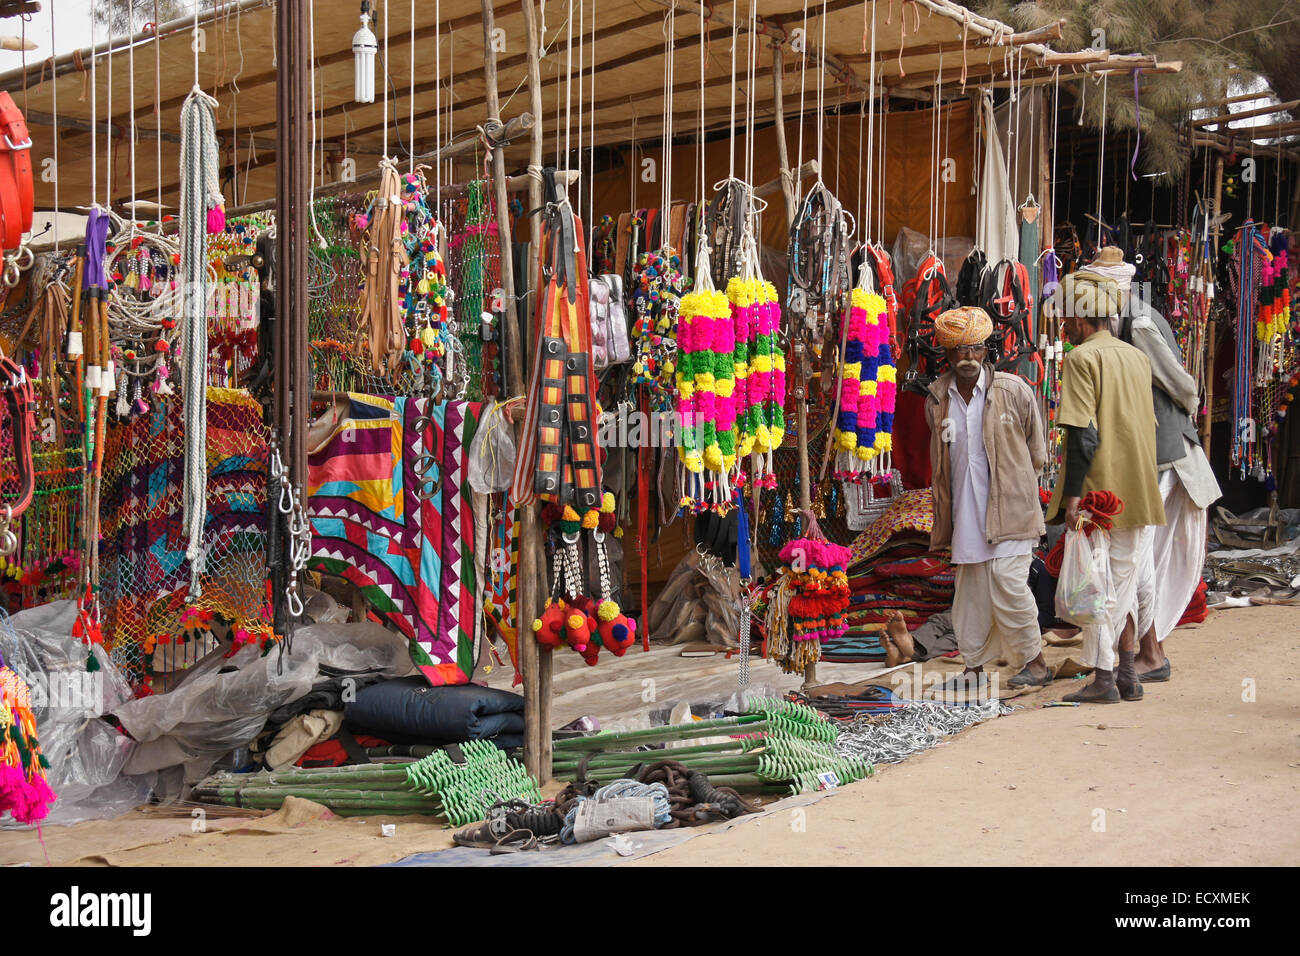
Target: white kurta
(994, 614)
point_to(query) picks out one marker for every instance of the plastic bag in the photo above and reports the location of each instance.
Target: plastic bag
(1084, 588)
(87, 756)
(492, 453)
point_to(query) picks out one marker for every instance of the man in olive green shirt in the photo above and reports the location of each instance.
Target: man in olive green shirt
(1110, 444)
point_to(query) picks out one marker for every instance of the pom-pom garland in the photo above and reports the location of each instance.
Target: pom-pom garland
(24, 791)
(864, 425)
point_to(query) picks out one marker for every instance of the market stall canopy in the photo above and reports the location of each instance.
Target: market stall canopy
(604, 72)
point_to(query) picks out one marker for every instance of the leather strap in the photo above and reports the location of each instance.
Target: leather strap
(17, 196)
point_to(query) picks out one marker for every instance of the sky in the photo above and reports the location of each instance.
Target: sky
(71, 31)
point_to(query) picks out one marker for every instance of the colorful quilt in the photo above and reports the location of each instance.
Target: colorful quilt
(411, 554)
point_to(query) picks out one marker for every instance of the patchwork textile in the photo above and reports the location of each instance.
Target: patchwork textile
(411, 554)
(912, 513)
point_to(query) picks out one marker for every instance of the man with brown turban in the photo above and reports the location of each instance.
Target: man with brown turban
(986, 451)
(1109, 419)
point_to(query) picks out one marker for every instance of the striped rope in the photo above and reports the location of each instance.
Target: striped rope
(199, 188)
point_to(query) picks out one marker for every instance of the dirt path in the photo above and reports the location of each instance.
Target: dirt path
(1192, 774)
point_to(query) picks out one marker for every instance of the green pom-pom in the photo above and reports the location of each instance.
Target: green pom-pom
(92, 662)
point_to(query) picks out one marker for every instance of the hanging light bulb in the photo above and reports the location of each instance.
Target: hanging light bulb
(364, 47)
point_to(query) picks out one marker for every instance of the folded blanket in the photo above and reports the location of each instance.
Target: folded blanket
(408, 709)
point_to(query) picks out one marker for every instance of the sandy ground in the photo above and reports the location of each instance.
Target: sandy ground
(1193, 774)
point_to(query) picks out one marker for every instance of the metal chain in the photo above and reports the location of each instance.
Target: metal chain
(916, 726)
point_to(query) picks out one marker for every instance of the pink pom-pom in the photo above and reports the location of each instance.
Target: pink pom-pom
(216, 219)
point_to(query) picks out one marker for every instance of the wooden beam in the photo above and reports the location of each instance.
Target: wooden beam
(627, 59)
(80, 60)
(398, 40)
(986, 44)
(517, 125)
(1224, 118)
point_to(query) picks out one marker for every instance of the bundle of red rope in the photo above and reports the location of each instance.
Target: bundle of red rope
(1102, 507)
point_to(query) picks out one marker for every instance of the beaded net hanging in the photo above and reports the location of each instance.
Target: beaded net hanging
(144, 574)
(474, 276)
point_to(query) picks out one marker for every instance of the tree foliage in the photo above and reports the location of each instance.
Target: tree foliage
(1224, 46)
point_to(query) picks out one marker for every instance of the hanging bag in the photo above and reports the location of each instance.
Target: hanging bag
(609, 332)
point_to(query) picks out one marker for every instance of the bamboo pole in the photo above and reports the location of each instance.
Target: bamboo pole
(516, 385)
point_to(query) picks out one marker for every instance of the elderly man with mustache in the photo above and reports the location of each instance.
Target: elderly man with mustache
(986, 451)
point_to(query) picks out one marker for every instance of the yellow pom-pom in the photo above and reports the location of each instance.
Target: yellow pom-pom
(607, 502)
(607, 611)
(568, 514)
(574, 621)
(591, 519)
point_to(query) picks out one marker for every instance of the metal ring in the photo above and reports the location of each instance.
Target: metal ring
(8, 542)
(11, 275)
(294, 603)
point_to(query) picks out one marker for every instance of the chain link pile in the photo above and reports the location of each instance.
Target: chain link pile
(912, 728)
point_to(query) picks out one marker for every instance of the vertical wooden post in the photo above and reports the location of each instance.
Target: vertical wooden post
(778, 102)
(1208, 421)
(537, 569)
(800, 382)
(534, 730)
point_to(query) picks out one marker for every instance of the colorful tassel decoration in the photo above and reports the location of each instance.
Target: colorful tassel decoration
(24, 791)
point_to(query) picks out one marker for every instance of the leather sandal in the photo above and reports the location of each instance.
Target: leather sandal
(514, 842)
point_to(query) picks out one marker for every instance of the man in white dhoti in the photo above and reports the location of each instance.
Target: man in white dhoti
(1173, 553)
(986, 451)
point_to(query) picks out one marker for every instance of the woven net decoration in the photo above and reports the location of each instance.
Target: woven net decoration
(145, 577)
(46, 564)
(474, 274)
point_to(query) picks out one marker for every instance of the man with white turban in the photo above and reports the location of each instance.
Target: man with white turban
(986, 451)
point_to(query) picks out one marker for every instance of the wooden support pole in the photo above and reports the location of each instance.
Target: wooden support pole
(787, 181)
(546, 658)
(527, 590)
(783, 181)
(1208, 421)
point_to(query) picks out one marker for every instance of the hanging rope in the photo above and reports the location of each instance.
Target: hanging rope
(200, 213)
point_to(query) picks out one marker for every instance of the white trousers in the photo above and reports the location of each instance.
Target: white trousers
(1101, 640)
(994, 614)
(1172, 555)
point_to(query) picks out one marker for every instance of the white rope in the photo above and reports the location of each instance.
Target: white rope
(871, 131)
(437, 99)
(94, 113)
(385, 79)
(130, 56)
(55, 88)
(699, 140)
(731, 143)
(108, 131)
(410, 122)
(199, 165)
(1101, 156)
(591, 140)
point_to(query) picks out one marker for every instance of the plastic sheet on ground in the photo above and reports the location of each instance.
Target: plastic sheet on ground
(86, 754)
(223, 703)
